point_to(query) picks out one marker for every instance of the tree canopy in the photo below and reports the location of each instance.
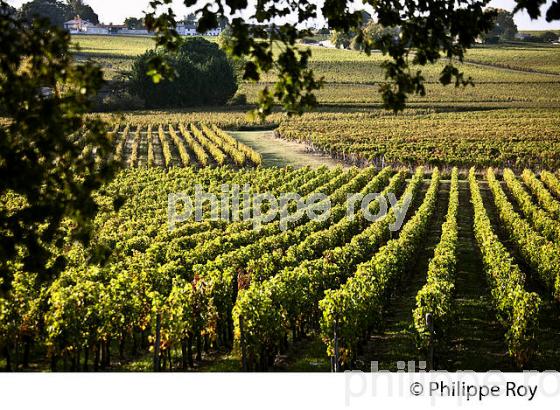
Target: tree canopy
(79, 8)
(549, 36)
(58, 12)
(430, 30)
(55, 11)
(340, 39)
(190, 19)
(504, 26)
(134, 23)
(52, 155)
(204, 76)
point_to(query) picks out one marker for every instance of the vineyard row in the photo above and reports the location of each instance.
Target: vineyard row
(180, 145)
(213, 284)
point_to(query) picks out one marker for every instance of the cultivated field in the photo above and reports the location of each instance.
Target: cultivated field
(478, 248)
(509, 118)
(479, 253)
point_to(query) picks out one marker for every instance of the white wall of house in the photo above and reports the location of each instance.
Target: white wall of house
(187, 31)
(97, 30)
(214, 32)
(133, 32)
(190, 31)
(78, 25)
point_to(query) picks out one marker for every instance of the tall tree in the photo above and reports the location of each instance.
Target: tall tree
(205, 77)
(504, 25)
(134, 23)
(53, 156)
(56, 12)
(376, 32)
(549, 37)
(190, 19)
(340, 39)
(79, 8)
(429, 31)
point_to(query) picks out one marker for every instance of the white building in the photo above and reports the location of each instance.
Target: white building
(327, 44)
(133, 32)
(214, 32)
(189, 29)
(100, 30)
(78, 25)
(81, 26)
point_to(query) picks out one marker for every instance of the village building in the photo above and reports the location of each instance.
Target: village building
(189, 29)
(81, 26)
(78, 25)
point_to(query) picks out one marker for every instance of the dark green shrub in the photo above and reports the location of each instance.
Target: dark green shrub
(205, 77)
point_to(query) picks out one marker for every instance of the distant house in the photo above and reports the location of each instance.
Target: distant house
(522, 36)
(189, 29)
(78, 25)
(213, 32)
(327, 44)
(81, 26)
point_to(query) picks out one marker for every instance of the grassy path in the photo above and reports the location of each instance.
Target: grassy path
(279, 152)
(143, 150)
(476, 340)
(396, 340)
(158, 150)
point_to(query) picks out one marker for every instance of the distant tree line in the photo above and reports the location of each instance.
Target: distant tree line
(504, 30)
(58, 12)
(134, 23)
(370, 32)
(544, 37)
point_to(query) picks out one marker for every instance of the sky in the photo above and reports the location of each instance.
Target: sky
(115, 11)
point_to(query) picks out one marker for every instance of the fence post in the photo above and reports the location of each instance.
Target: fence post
(430, 326)
(336, 352)
(157, 342)
(243, 346)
